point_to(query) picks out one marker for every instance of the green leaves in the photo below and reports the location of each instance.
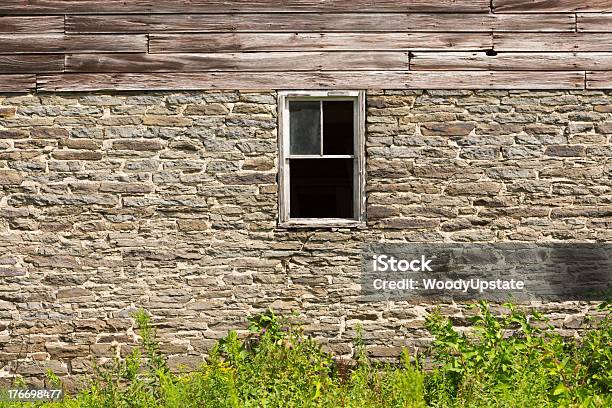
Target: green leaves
(506, 359)
(509, 351)
(560, 389)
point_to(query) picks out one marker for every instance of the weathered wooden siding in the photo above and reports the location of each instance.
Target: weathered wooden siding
(68, 45)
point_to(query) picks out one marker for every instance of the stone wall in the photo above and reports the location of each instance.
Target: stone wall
(168, 201)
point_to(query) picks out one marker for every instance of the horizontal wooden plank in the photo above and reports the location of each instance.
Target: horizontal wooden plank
(59, 43)
(599, 80)
(594, 22)
(39, 24)
(260, 61)
(220, 80)
(17, 83)
(223, 6)
(552, 42)
(318, 22)
(496, 80)
(314, 80)
(162, 43)
(35, 64)
(511, 61)
(550, 6)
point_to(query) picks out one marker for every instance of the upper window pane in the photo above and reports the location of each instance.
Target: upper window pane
(338, 131)
(305, 127)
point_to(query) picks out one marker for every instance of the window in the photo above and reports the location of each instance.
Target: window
(321, 139)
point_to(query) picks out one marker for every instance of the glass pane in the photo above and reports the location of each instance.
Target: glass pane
(305, 127)
(338, 127)
(321, 188)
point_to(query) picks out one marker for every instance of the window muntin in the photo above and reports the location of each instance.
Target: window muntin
(321, 165)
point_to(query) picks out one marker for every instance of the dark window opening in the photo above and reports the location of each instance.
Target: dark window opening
(338, 132)
(321, 188)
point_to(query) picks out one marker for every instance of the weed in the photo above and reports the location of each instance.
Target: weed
(507, 360)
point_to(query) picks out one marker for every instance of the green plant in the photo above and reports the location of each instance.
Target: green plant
(511, 359)
(507, 359)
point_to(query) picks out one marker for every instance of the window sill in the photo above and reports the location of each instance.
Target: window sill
(322, 223)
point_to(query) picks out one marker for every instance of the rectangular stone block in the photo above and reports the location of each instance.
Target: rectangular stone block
(76, 155)
(137, 144)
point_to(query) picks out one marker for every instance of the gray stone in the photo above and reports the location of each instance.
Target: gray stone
(138, 145)
(447, 128)
(410, 223)
(13, 134)
(66, 154)
(565, 150)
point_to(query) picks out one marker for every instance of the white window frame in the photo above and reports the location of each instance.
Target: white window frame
(284, 219)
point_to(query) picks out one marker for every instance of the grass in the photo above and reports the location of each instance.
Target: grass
(507, 360)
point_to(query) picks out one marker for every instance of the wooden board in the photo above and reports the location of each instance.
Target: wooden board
(43, 24)
(221, 80)
(58, 43)
(17, 83)
(511, 61)
(223, 6)
(599, 80)
(594, 23)
(551, 6)
(261, 61)
(496, 80)
(161, 43)
(318, 22)
(314, 80)
(34, 64)
(553, 42)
